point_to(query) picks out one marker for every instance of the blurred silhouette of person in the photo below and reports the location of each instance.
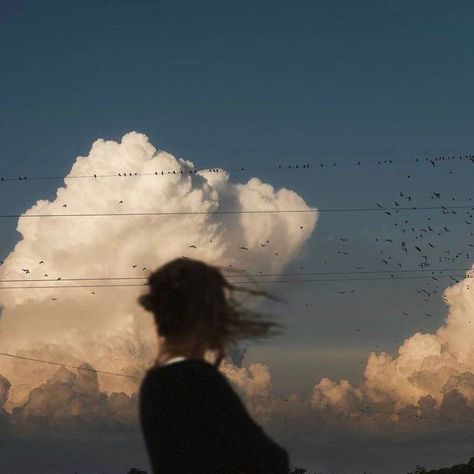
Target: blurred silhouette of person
(192, 420)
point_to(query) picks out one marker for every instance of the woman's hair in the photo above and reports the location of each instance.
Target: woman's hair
(188, 296)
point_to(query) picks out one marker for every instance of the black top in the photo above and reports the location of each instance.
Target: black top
(193, 422)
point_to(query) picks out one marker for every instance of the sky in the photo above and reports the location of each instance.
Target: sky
(249, 88)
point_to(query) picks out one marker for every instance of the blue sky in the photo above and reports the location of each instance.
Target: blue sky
(238, 84)
(258, 84)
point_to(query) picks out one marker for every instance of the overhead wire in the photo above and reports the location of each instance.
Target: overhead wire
(173, 213)
(248, 275)
(190, 171)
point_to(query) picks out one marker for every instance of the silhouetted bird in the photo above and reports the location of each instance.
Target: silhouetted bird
(243, 248)
(193, 246)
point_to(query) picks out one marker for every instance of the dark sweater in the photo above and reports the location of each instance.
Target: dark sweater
(193, 422)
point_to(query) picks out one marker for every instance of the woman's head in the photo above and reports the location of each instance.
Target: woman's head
(189, 297)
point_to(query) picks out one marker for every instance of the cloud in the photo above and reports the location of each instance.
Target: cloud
(427, 365)
(71, 401)
(108, 329)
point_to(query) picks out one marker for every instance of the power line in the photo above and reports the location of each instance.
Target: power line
(242, 282)
(17, 356)
(366, 209)
(244, 275)
(193, 171)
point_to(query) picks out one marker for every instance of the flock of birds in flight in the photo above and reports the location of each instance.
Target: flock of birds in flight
(418, 230)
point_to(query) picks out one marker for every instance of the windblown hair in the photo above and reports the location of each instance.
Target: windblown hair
(188, 296)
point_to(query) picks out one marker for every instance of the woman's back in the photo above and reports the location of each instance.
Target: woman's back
(194, 422)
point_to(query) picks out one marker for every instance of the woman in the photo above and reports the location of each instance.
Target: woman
(192, 420)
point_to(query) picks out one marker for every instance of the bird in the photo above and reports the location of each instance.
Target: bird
(134, 266)
(405, 313)
(385, 261)
(437, 195)
(54, 299)
(120, 202)
(418, 248)
(26, 270)
(389, 240)
(243, 248)
(380, 205)
(41, 262)
(343, 239)
(64, 205)
(193, 246)
(359, 268)
(263, 245)
(301, 226)
(93, 292)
